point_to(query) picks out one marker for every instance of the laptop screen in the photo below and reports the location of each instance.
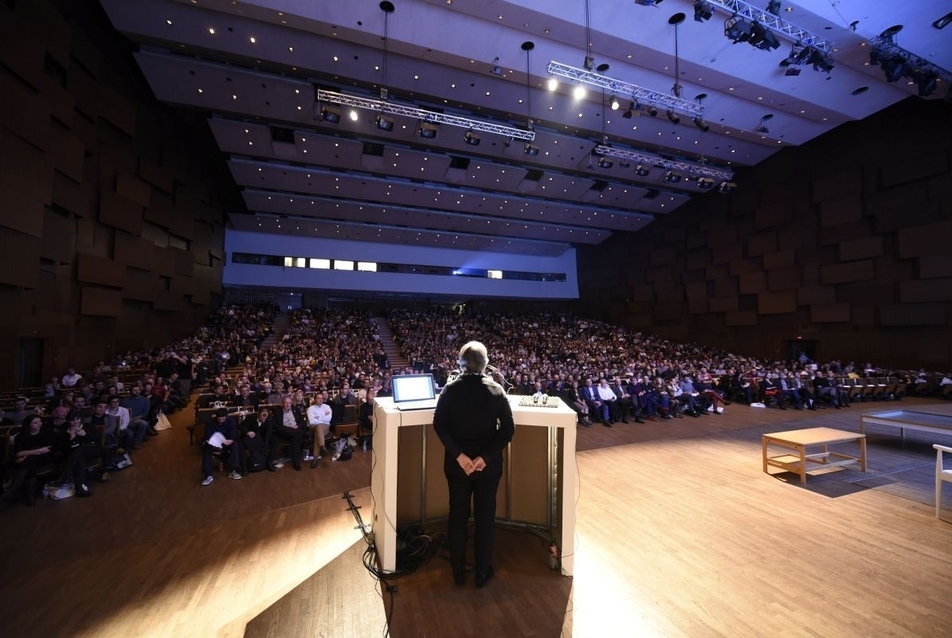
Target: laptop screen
(413, 387)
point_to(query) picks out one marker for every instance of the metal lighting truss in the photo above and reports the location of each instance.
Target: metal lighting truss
(434, 117)
(625, 90)
(698, 170)
(774, 23)
(887, 46)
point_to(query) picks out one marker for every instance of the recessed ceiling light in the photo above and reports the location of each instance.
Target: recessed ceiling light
(252, 38)
(211, 30)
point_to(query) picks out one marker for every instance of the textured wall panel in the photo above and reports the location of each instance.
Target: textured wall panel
(21, 213)
(935, 265)
(841, 183)
(669, 311)
(779, 259)
(926, 290)
(119, 110)
(59, 238)
(25, 113)
(841, 210)
(775, 214)
(24, 168)
(833, 313)
(100, 302)
(915, 167)
(21, 52)
(133, 188)
(661, 274)
(726, 287)
(848, 272)
(662, 257)
(141, 285)
(901, 207)
(183, 262)
(783, 279)
(97, 270)
(698, 259)
(745, 266)
(752, 283)
(741, 318)
(156, 175)
(724, 304)
(698, 305)
(726, 253)
(120, 212)
(774, 303)
(816, 295)
(861, 248)
(697, 289)
(924, 240)
(925, 314)
(19, 258)
(722, 234)
(85, 90)
(762, 243)
(67, 154)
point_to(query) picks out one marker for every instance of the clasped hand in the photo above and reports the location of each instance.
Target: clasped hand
(471, 465)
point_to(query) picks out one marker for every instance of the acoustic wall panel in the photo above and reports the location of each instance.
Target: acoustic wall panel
(762, 243)
(939, 289)
(816, 295)
(832, 313)
(775, 214)
(847, 272)
(861, 248)
(935, 265)
(925, 240)
(773, 303)
(20, 212)
(21, 52)
(915, 167)
(132, 188)
(923, 314)
(752, 282)
(783, 279)
(841, 183)
(741, 318)
(133, 251)
(724, 304)
(157, 175)
(100, 302)
(97, 270)
(120, 212)
(25, 113)
(67, 154)
(59, 238)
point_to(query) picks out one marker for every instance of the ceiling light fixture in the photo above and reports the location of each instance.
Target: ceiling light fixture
(615, 104)
(674, 116)
(330, 114)
(642, 171)
(645, 160)
(426, 130)
(433, 117)
(531, 150)
(703, 10)
(671, 177)
(700, 123)
(762, 128)
(471, 138)
(383, 122)
(676, 19)
(744, 14)
(773, 7)
(643, 95)
(897, 62)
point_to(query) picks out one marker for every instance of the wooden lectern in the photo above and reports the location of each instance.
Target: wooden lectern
(537, 489)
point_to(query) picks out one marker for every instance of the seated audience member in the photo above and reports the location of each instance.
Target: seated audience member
(825, 388)
(51, 388)
(801, 383)
(577, 403)
(625, 402)
(609, 399)
(221, 435)
(130, 436)
(595, 404)
(365, 415)
(319, 417)
(691, 397)
(289, 426)
(32, 452)
(79, 449)
(789, 391)
(255, 430)
(70, 379)
(138, 407)
(246, 399)
(276, 397)
(642, 399)
(770, 389)
(20, 410)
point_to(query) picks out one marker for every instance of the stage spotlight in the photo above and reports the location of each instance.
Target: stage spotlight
(330, 114)
(737, 29)
(821, 61)
(762, 38)
(642, 171)
(893, 68)
(726, 187)
(553, 83)
(705, 183)
(701, 124)
(615, 104)
(671, 177)
(471, 138)
(426, 130)
(578, 92)
(673, 116)
(353, 115)
(927, 85)
(630, 110)
(652, 111)
(703, 10)
(384, 123)
(531, 150)
(604, 162)
(773, 7)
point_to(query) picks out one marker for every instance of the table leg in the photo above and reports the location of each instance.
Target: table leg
(803, 464)
(764, 443)
(862, 453)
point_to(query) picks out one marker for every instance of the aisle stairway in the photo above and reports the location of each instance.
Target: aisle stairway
(281, 324)
(394, 356)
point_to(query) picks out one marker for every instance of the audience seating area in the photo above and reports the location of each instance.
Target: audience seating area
(338, 353)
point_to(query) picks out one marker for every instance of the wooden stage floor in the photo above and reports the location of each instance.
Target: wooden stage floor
(679, 533)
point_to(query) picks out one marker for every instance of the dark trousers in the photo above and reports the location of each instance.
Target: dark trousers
(77, 462)
(249, 446)
(288, 435)
(208, 458)
(482, 494)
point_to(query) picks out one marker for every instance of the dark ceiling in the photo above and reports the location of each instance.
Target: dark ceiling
(255, 68)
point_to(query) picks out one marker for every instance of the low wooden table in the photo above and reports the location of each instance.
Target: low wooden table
(800, 440)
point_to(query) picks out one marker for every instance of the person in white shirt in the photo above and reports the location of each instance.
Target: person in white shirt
(125, 435)
(609, 398)
(319, 420)
(70, 379)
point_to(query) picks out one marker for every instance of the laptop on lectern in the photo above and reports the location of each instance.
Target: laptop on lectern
(414, 392)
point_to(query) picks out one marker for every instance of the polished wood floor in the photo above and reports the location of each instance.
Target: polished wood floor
(679, 533)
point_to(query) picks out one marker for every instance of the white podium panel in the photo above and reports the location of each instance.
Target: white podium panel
(537, 488)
